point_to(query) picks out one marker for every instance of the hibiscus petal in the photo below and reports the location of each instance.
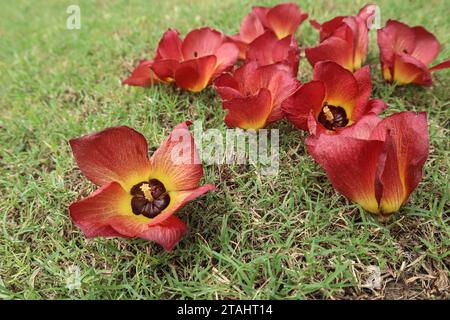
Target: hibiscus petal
(442, 65)
(169, 47)
(350, 164)
(407, 145)
(251, 28)
(142, 75)
(332, 49)
(200, 43)
(249, 112)
(309, 98)
(165, 69)
(227, 55)
(427, 46)
(394, 38)
(176, 162)
(227, 87)
(410, 70)
(195, 75)
(363, 77)
(92, 214)
(166, 233)
(115, 154)
(277, 78)
(285, 18)
(342, 88)
(179, 199)
(267, 49)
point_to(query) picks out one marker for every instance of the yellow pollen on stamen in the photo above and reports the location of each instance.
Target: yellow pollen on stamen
(145, 188)
(328, 113)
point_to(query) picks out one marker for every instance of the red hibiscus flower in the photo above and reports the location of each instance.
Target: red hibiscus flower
(406, 52)
(282, 19)
(137, 196)
(253, 94)
(191, 63)
(377, 163)
(268, 49)
(343, 40)
(335, 99)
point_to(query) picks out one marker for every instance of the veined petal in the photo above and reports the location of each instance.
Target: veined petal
(406, 145)
(410, 70)
(267, 49)
(195, 75)
(169, 47)
(115, 154)
(285, 18)
(142, 75)
(93, 214)
(342, 89)
(350, 164)
(179, 199)
(227, 87)
(200, 43)
(165, 69)
(251, 28)
(427, 47)
(332, 49)
(309, 98)
(442, 65)
(227, 55)
(249, 112)
(176, 162)
(166, 233)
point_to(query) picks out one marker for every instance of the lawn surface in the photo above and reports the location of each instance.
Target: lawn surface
(288, 237)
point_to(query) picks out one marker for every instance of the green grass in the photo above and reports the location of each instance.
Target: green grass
(289, 237)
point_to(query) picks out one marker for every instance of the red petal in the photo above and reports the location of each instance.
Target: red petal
(179, 199)
(251, 28)
(169, 46)
(200, 43)
(364, 106)
(309, 98)
(107, 212)
(407, 144)
(166, 233)
(342, 89)
(333, 49)
(328, 28)
(195, 75)
(92, 214)
(394, 38)
(363, 128)
(227, 87)
(176, 162)
(350, 164)
(277, 78)
(367, 13)
(115, 154)
(285, 18)
(165, 69)
(442, 65)
(250, 112)
(410, 70)
(360, 38)
(267, 49)
(427, 46)
(227, 55)
(142, 75)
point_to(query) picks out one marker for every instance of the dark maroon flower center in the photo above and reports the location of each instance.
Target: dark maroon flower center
(149, 198)
(332, 117)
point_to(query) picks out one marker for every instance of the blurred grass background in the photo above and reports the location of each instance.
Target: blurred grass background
(257, 237)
